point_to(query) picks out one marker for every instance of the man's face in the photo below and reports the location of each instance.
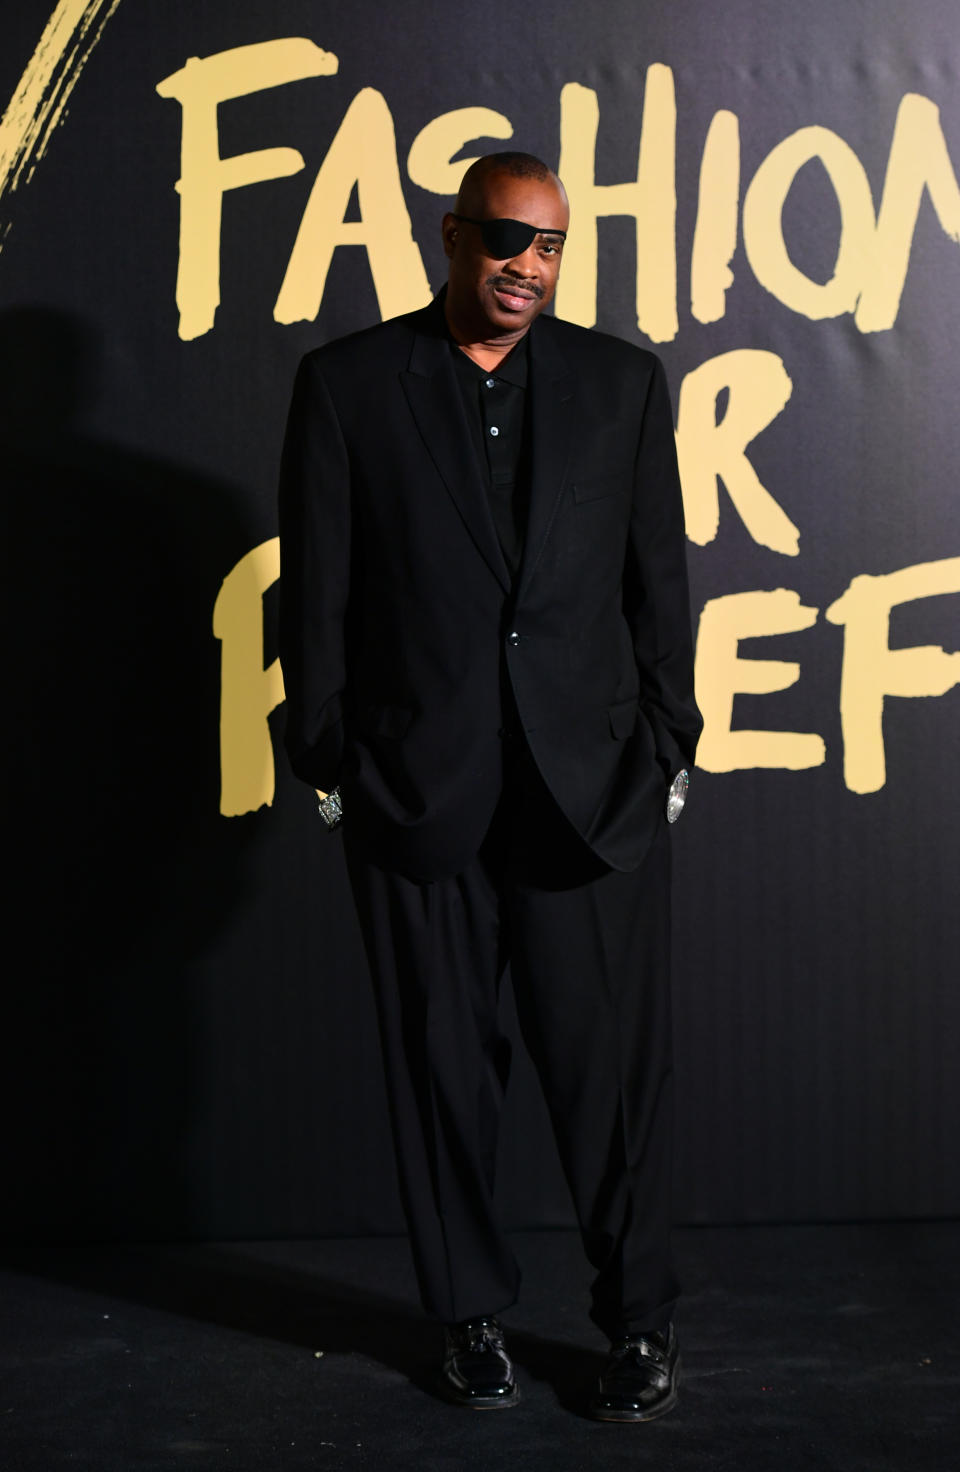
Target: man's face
(489, 296)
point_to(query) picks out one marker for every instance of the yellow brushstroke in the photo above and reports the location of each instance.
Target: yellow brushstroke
(38, 103)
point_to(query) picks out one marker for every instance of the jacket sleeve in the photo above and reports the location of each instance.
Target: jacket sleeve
(314, 578)
(656, 595)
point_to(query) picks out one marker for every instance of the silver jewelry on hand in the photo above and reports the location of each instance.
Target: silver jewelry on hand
(677, 795)
(330, 810)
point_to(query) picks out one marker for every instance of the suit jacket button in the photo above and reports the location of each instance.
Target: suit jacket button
(513, 638)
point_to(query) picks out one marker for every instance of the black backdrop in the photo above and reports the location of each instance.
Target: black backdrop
(189, 1036)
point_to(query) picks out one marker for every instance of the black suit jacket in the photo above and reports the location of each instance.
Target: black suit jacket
(397, 617)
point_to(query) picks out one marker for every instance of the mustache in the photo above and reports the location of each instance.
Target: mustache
(515, 283)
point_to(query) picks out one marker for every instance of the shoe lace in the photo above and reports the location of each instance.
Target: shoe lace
(639, 1344)
(482, 1334)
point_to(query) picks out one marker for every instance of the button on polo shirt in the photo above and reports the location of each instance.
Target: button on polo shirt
(496, 410)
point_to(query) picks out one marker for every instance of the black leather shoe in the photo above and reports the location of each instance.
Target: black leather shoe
(476, 1367)
(640, 1379)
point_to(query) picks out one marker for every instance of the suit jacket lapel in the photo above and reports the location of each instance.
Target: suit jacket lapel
(433, 394)
(552, 389)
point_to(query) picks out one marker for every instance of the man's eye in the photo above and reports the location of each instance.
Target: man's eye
(548, 249)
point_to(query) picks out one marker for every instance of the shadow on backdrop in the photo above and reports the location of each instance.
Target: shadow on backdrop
(122, 868)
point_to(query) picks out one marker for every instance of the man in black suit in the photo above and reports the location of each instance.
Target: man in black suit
(485, 640)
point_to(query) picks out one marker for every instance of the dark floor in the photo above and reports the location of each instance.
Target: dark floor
(804, 1347)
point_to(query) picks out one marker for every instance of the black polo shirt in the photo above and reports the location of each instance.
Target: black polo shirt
(496, 405)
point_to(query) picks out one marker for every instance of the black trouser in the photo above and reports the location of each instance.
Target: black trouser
(588, 949)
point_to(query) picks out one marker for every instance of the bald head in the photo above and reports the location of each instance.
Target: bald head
(475, 182)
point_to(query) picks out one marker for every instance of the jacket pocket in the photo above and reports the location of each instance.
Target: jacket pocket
(389, 721)
(623, 719)
(593, 487)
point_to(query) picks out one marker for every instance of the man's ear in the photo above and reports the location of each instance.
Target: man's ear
(449, 230)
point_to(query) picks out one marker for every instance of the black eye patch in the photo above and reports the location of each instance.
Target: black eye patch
(504, 239)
